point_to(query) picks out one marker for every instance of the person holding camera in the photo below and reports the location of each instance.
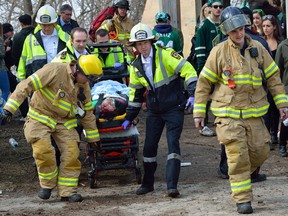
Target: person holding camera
(239, 68)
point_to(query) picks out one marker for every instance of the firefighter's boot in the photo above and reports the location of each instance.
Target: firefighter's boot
(244, 208)
(73, 198)
(44, 193)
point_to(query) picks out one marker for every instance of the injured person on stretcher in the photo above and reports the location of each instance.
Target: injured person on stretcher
(110, 99)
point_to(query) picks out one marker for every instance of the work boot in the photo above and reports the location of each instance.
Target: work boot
(244, 208)
(44, 193)
(282, 151)
(73, 198)
(258, 178)
(144, 190)
(222, 175)
(173, 193)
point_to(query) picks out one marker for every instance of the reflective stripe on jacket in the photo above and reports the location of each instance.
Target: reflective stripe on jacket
(33, 55)
(168, 66)
(249, 98)
(54, 100)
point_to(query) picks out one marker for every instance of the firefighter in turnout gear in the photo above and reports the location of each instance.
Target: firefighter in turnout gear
(43, 44)
(239, 68)
(61, 95)
(120, 25)
(159, 70)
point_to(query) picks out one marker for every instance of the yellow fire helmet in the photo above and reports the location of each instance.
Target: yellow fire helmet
(90, 65)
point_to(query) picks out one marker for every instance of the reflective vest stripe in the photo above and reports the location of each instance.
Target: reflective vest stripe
(208, 74)
(173, 156)
(13, 104)
(60, 103)
(201, 108)
(116, 59)
(244, 79)
(72, 123)
(200, 47)
(237, 113)
(92, 134)
(281, 98)
(36, 81)
(135, 86)
(134, 104)
(255, 112)
(35, 58)
(69, 182)
(149, 159)
(271, 69)
(48, 176)
(42, 118)
(88, 106)
(241, 186)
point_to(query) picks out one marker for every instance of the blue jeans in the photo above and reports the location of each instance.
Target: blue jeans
(4, 85)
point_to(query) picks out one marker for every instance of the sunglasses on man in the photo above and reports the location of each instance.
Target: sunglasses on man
(217, 6)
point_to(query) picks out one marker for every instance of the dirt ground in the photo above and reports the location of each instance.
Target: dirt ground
(202, 192)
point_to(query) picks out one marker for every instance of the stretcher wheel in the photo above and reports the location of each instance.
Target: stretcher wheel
(92, 182)
(138, 175)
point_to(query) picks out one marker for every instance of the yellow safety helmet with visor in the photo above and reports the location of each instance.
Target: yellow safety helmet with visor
(90, 66)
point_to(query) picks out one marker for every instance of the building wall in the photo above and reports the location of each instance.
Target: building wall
(188, 19)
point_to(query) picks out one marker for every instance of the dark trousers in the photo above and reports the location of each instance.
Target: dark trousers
(283, 135)
(155, 122)
(272, 117)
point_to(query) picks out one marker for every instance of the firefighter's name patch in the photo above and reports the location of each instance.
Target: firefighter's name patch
(174, 54)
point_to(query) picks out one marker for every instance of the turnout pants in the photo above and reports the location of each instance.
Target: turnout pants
(247, 146)
(155, 123)
(50, 175)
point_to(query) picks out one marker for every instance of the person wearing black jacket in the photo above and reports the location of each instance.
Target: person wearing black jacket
(17, 46)
(18, 39)
(64, 20)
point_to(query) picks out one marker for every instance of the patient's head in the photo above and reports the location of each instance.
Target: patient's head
(108, 105)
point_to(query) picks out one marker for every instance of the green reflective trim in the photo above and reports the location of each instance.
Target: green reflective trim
(255, 112)
(199, 108)
(241, 186)
(69, 182)
(271, 69)
(36, 81)
(226, 112)
(13, 104)
(88, 106)
(72, 123)
(48, 176)
(208, 74)
(92, 134)
(42, 118)
(280, 98)
(60, 103)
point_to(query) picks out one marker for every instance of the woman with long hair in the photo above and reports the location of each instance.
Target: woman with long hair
(257, 20)
(271, 30)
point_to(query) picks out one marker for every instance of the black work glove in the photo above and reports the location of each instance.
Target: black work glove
(5, 117)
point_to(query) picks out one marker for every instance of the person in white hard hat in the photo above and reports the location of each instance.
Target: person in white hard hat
(41, 46)
(161, 71)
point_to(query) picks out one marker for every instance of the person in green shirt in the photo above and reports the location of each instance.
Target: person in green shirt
(166, 35)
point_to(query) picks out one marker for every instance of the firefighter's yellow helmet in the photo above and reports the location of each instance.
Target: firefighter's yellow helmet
(90, 65)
